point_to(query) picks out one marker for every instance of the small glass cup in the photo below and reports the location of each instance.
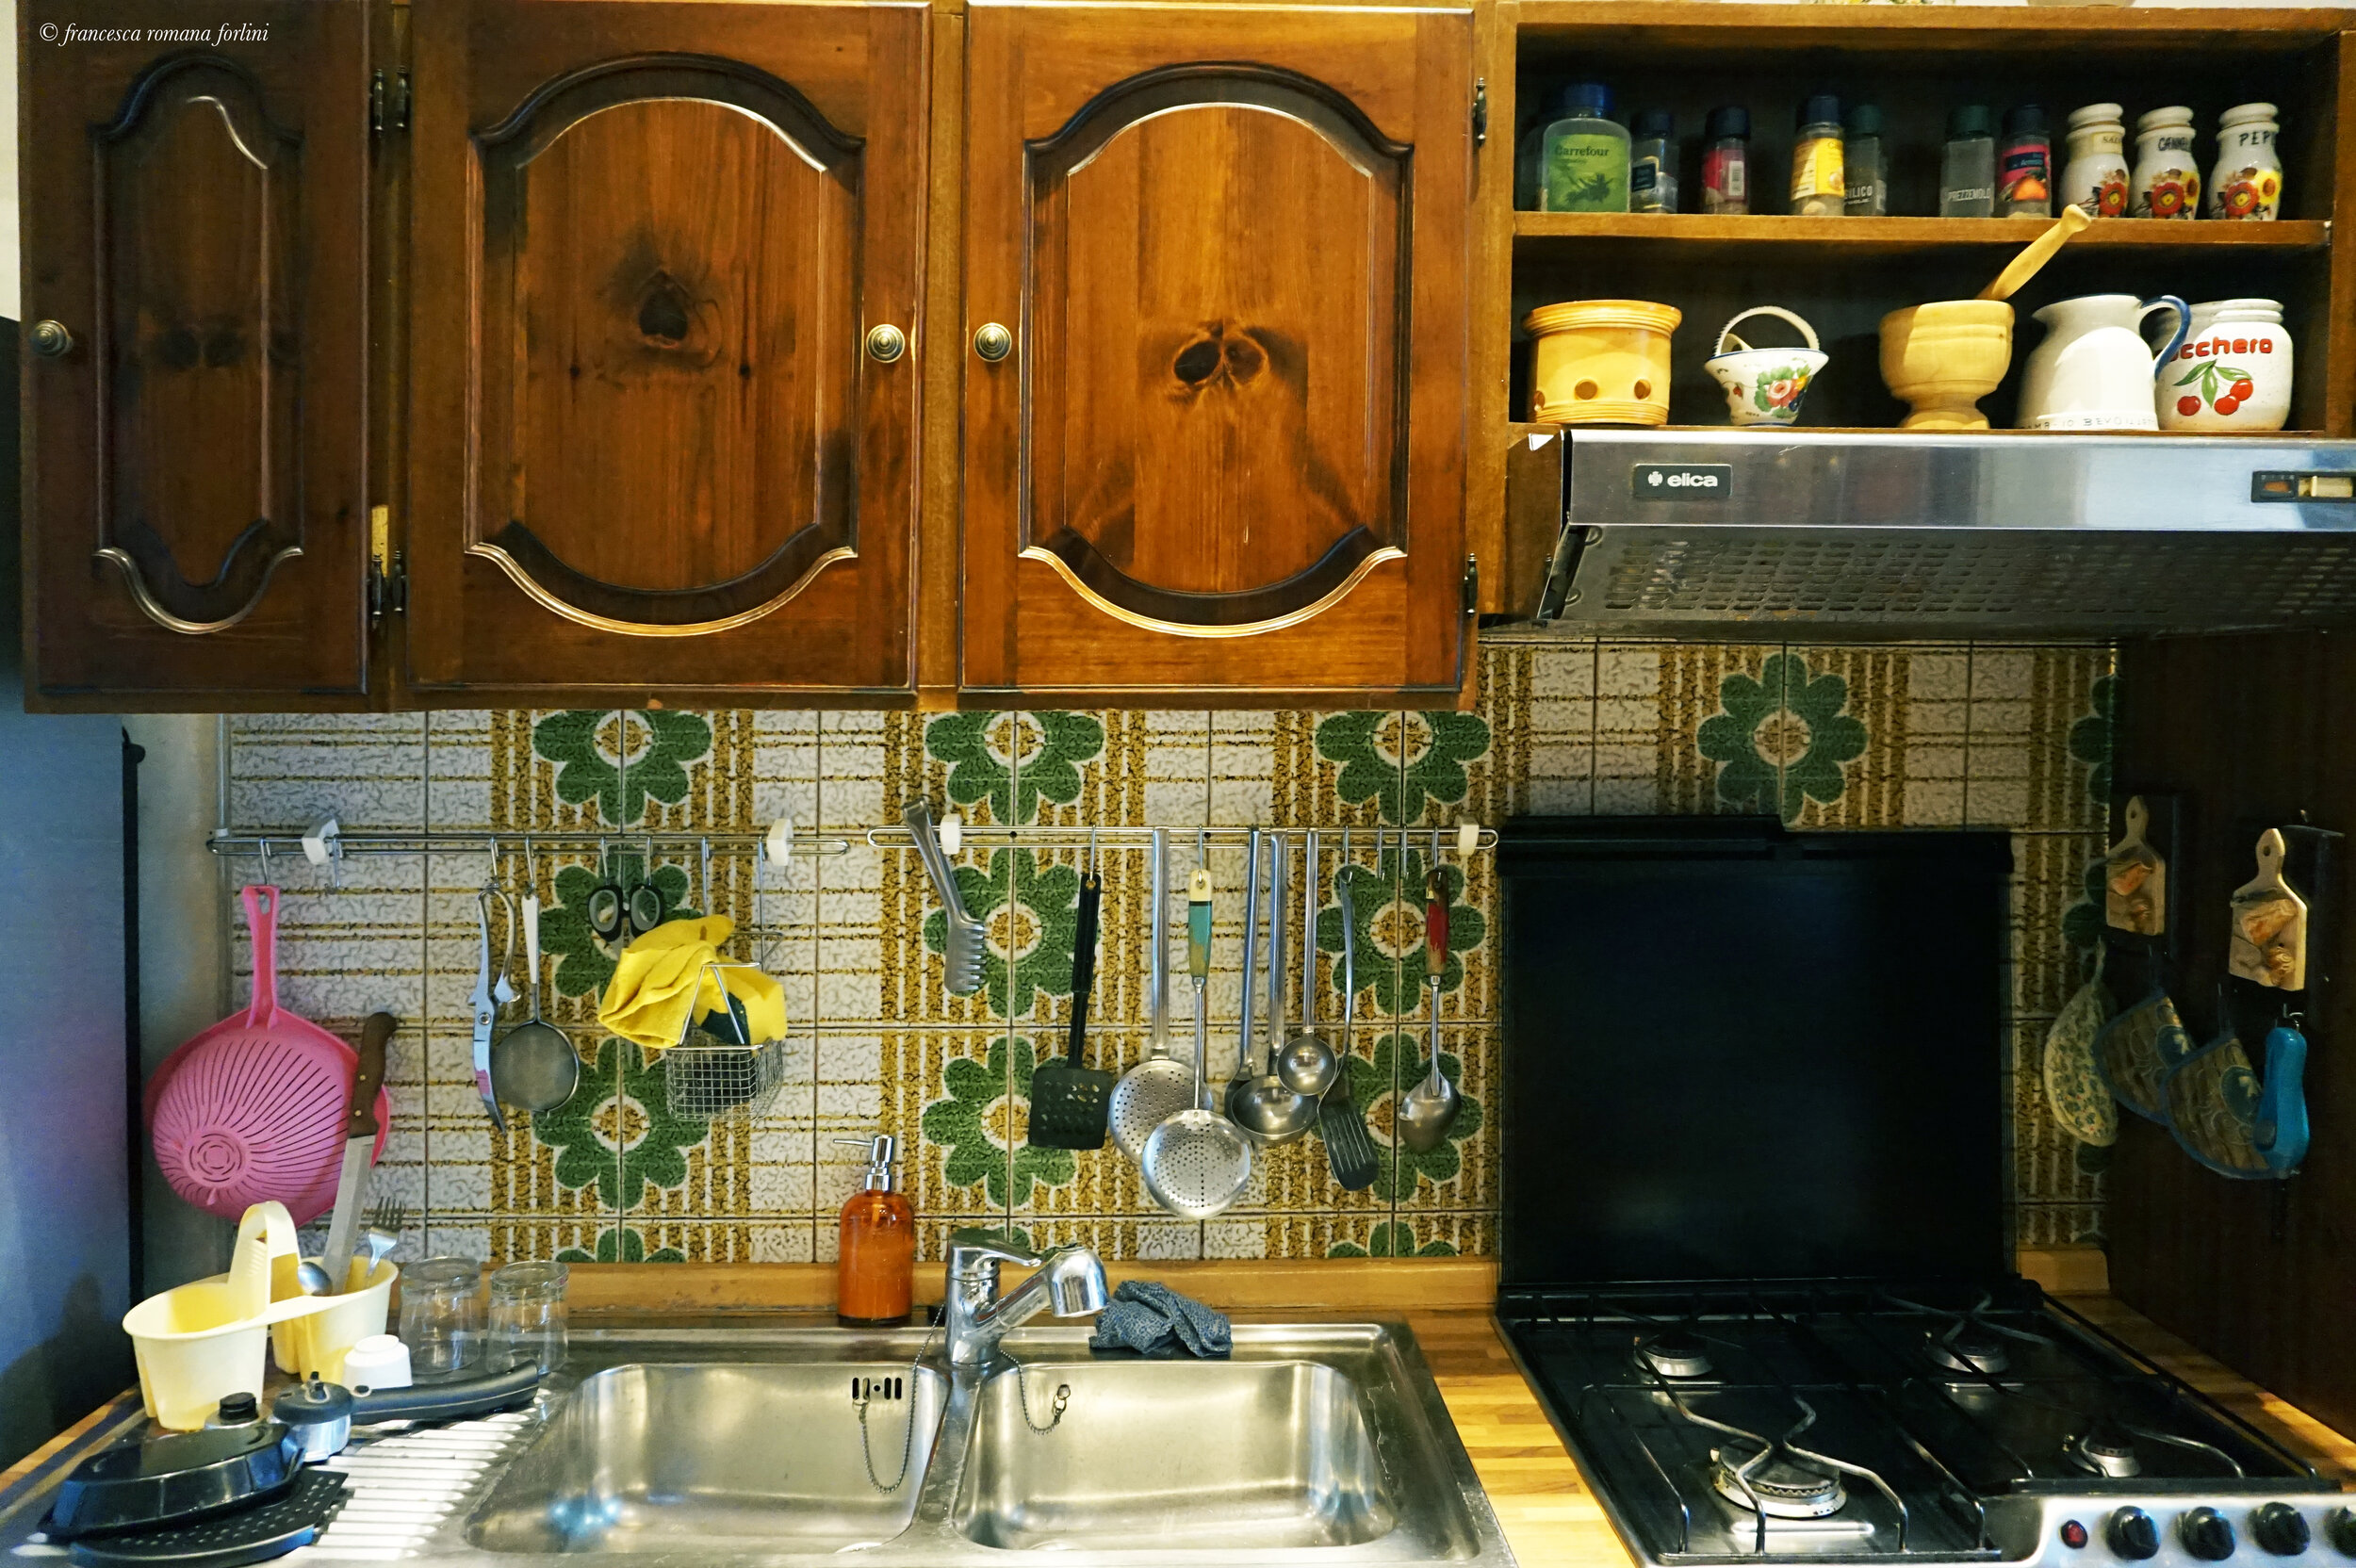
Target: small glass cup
(441, 1315)
(527, 1315)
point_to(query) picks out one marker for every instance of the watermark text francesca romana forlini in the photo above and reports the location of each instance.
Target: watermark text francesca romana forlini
(62, 34)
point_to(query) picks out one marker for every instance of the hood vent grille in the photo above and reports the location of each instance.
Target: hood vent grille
(2001, 535)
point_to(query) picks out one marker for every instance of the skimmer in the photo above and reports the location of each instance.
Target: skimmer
(1160, 1087)
(1196, 1164)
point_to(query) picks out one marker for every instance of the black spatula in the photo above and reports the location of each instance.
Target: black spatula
(1069, 1101)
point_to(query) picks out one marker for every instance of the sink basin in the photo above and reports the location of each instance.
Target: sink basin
(720, 1458)
(1157, 1455)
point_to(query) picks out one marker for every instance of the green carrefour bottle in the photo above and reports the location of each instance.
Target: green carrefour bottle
(1585, 156)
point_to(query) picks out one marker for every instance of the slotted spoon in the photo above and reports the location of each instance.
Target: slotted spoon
(1196, 1164)
(1160, 1087)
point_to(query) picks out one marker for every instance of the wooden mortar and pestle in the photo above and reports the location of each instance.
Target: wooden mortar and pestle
(1944, 357)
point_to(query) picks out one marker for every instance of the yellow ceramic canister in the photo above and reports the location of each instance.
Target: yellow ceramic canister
(1601, 362)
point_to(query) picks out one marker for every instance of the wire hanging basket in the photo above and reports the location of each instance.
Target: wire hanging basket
(712, 1070)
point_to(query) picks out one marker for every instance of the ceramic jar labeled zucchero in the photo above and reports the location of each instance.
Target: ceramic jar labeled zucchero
(2234, 372)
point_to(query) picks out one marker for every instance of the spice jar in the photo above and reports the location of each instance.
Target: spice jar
(1584, 161)
(1817, 171)
(1652, 169)
(1967, 170)
(2095, 178)
(2025, 169)
(2247, 183)
(1864, 178)
(1727, 160)
(2166, 182)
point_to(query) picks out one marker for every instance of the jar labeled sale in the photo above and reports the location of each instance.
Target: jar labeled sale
(2233, 371)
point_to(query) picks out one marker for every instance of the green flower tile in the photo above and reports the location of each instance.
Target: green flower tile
(582, 968)
(621, 1144)
(1781, 739)
(621, 759)
(1014, 761)
(1392, 957)
(1392, 1239)
(2091, 738)
(620, 1244)
(980, 1124)
(1029, 935)
(1400, 760)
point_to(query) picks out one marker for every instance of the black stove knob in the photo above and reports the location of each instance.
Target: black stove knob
(2339, 1528)
(2280, 1529)
(2133, 1534)
(2206, 1534)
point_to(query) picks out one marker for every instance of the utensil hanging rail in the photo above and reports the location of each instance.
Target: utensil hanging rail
(830, 842)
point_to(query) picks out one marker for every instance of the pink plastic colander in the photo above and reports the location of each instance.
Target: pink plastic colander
(253, 1109)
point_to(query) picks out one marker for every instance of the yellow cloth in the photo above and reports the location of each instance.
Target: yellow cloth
(660, 977)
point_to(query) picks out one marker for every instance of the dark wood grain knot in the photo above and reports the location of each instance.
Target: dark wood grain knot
(177, 350)
(1216, 355)
(224, 346)
(666, 310)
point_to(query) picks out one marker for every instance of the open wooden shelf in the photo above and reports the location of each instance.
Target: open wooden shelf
(1535, 233)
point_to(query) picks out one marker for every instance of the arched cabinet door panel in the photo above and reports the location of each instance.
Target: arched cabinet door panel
(195, 243)
(1226, 448)
(652, 448)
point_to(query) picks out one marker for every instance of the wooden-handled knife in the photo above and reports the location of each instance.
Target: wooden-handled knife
(359, 1150)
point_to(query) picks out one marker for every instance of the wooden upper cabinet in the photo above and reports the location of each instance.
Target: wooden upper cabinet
(1227, 449)
(653, 446)
(195, 240)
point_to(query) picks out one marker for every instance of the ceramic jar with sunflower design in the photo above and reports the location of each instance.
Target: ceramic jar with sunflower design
(2247, 182)
(2167, 181)
(2095, 178)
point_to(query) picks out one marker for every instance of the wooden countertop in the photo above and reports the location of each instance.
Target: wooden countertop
(1550, 1517)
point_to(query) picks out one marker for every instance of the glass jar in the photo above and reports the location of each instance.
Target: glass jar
(441, 1315)
(1967, 168)
(1864, 176)
(1727, 160)
(527, 1315)
(1583, 164)
(2025, 169)
(1818, 176)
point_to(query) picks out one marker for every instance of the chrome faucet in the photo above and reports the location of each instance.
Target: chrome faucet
(1069, 1283)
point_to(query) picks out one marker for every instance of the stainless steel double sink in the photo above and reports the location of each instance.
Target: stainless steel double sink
(1316, 1444)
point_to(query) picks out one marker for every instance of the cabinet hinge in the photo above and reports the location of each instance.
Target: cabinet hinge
(1472, 584)
(388, 574)
(389, 102)
(1481, 110)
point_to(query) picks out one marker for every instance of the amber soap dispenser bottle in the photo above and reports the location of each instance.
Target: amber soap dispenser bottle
(875, 1267)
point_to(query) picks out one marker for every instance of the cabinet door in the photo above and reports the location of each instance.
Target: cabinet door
(652, 451)
(195, 245)
(1227, 449)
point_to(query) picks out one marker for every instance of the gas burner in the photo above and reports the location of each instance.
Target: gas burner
(1969, 1347)
(1673, 1354)
(2105, 1449)
(1780, 1488)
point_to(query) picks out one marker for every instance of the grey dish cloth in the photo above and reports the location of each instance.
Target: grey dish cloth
(1155, 1320)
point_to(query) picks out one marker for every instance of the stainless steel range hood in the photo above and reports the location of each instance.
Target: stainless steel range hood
(1735, 531)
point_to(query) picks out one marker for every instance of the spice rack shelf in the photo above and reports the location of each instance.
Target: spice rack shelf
(1843, 274)
(1537, 234)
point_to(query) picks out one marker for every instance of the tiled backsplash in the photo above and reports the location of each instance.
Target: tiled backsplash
(1827, 736)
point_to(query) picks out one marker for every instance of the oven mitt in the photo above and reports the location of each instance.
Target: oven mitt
(1155, 1320)
(2213, 1109)
(2137, 1049)
(2081, 1103)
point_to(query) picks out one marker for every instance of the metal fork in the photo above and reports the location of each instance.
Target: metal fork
(388, 1214)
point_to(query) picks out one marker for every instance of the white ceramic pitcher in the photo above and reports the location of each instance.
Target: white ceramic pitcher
(2093, 370)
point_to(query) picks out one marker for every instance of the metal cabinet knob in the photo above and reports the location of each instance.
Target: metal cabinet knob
(993, 342)
(885, 343)
(49, 339)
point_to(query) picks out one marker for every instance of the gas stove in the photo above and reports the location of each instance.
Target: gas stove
(1859, 1422)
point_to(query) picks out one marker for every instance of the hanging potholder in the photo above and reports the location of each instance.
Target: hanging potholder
(2213, 1109)
(2136, 1051)
(2073, 1085)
